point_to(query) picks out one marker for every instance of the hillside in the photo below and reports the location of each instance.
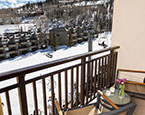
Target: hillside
(71, 13)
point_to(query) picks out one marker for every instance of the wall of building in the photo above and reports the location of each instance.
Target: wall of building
(61, 35)
(129, 33)
(13, 47)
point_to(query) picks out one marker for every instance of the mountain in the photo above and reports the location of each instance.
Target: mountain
(15, 3)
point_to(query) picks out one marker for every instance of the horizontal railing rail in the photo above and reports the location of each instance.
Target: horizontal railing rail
(129, 70)
(37, 67)
(73, 84)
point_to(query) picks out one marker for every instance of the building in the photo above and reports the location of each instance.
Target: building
(61, 35)
(129, 32)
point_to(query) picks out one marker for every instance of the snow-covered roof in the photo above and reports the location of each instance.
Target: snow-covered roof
(15, 28)
(89, 3)
(65, 1)
(11, 30)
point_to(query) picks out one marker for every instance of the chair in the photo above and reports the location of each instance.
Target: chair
(1, 109)
(94, 109)
(136, 90)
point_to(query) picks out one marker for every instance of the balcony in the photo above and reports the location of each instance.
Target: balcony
(84, 75)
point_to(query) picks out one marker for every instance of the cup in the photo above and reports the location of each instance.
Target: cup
(112, 89)
(108, 93)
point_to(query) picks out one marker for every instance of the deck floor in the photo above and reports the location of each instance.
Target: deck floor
(140, 108)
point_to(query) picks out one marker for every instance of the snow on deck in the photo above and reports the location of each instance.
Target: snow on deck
(37, 58)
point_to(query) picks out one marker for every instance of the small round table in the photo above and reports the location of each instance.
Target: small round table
(115, 98)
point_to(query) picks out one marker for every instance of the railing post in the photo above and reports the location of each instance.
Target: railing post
(1, 108)
(113, 64)
(110, 68)
(83, 59)
(52, 95)
(22, 95)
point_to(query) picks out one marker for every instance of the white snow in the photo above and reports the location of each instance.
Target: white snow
(15, 27)
(37, 58)
(29, 20)
(90, 3)
(55, 24)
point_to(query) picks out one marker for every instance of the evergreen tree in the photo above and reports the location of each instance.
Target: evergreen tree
(70, 39)
(28, 5)
(54, 42)
(49, 1)
(40, 4)
(21, 29)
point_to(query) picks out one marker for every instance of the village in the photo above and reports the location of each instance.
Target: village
(68, 32)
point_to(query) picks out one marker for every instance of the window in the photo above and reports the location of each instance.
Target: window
(57, 35)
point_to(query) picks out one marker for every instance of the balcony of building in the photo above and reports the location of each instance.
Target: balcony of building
(75, 85)
(83, 75)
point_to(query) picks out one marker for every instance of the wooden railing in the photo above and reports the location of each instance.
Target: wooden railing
(85, 77)
(129, 70)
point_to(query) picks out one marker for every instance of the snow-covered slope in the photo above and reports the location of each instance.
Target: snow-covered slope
(39, 57)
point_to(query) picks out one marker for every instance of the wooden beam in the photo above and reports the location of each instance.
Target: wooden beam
(133, 82)
(58, 107)
(22, 95)
(1, 108)
(127, 70)
(107, 99)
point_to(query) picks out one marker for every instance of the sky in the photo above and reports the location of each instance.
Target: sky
(15, 3)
